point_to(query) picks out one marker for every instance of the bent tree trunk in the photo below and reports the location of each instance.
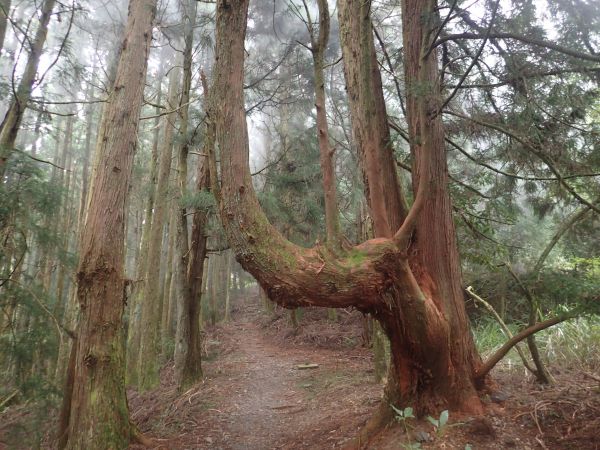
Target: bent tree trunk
(99, 416)
(394, 277)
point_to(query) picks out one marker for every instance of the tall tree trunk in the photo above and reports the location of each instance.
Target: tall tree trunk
(370, 129)
(149, 350)
(433, 356)
(70, 315)
(188, 367)
(99, 416)
(188, 360)
(326, 152)
(134, 330)
(168, 294)
(66, 219)
(12, 120)
(227, 285)
(211, 281)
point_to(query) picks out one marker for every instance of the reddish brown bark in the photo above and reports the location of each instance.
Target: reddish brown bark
(369, 118)
(99, 416)
(435, 249)
(433, 358)
(190, 258)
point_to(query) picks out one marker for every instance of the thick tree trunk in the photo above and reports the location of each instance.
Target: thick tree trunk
(433, 357)
(99, 416)
(12, 120)
(435, 250)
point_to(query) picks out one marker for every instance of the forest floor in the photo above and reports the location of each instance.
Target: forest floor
(255, 396)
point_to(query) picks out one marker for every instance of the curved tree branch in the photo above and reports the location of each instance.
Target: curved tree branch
(502, 351)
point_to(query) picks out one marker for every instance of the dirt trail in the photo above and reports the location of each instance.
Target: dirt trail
(267, 400)
(254, 397)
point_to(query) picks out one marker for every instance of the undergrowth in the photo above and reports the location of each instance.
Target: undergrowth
(573, 344)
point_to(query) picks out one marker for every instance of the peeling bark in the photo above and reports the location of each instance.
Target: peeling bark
(99, 417)
(392, 277)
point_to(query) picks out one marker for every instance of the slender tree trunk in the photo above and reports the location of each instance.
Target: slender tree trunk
(188, 360)
(168, 291)
(562, 229)
(188, 367)
(4, 15)
(326, 152)
(134, 330)
(99, 416)
(64, 215)
(227, 286)
(70, 316)
(66, 218)
(148, 355)
(212, 276)
(12, 120)
(370, 129)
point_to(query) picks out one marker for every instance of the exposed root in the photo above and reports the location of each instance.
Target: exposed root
(381, 419)
(140, 438)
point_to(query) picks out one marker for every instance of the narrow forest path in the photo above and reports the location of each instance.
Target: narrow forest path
(254, 396)
(266, 400)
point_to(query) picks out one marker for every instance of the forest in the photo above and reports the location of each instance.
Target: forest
(300, 224)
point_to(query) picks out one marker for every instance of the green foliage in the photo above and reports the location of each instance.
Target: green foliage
(439, 424)
(403, 415)
(573, 343)
(412, 446)
(292, 196)
(29, 205)
(201, 200)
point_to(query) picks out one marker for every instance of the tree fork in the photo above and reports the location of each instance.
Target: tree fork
(433, 353)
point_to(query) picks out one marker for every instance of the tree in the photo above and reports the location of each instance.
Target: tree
(408, 281)
(14, 116)
(190, 258)
(4, 14)
(147, 363)
(98, 411)
(318, 46)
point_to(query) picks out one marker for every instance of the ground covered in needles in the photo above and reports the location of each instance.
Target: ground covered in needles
(270, 385)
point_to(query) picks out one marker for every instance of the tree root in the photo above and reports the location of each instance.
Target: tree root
(140, 438)
(381, 419)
